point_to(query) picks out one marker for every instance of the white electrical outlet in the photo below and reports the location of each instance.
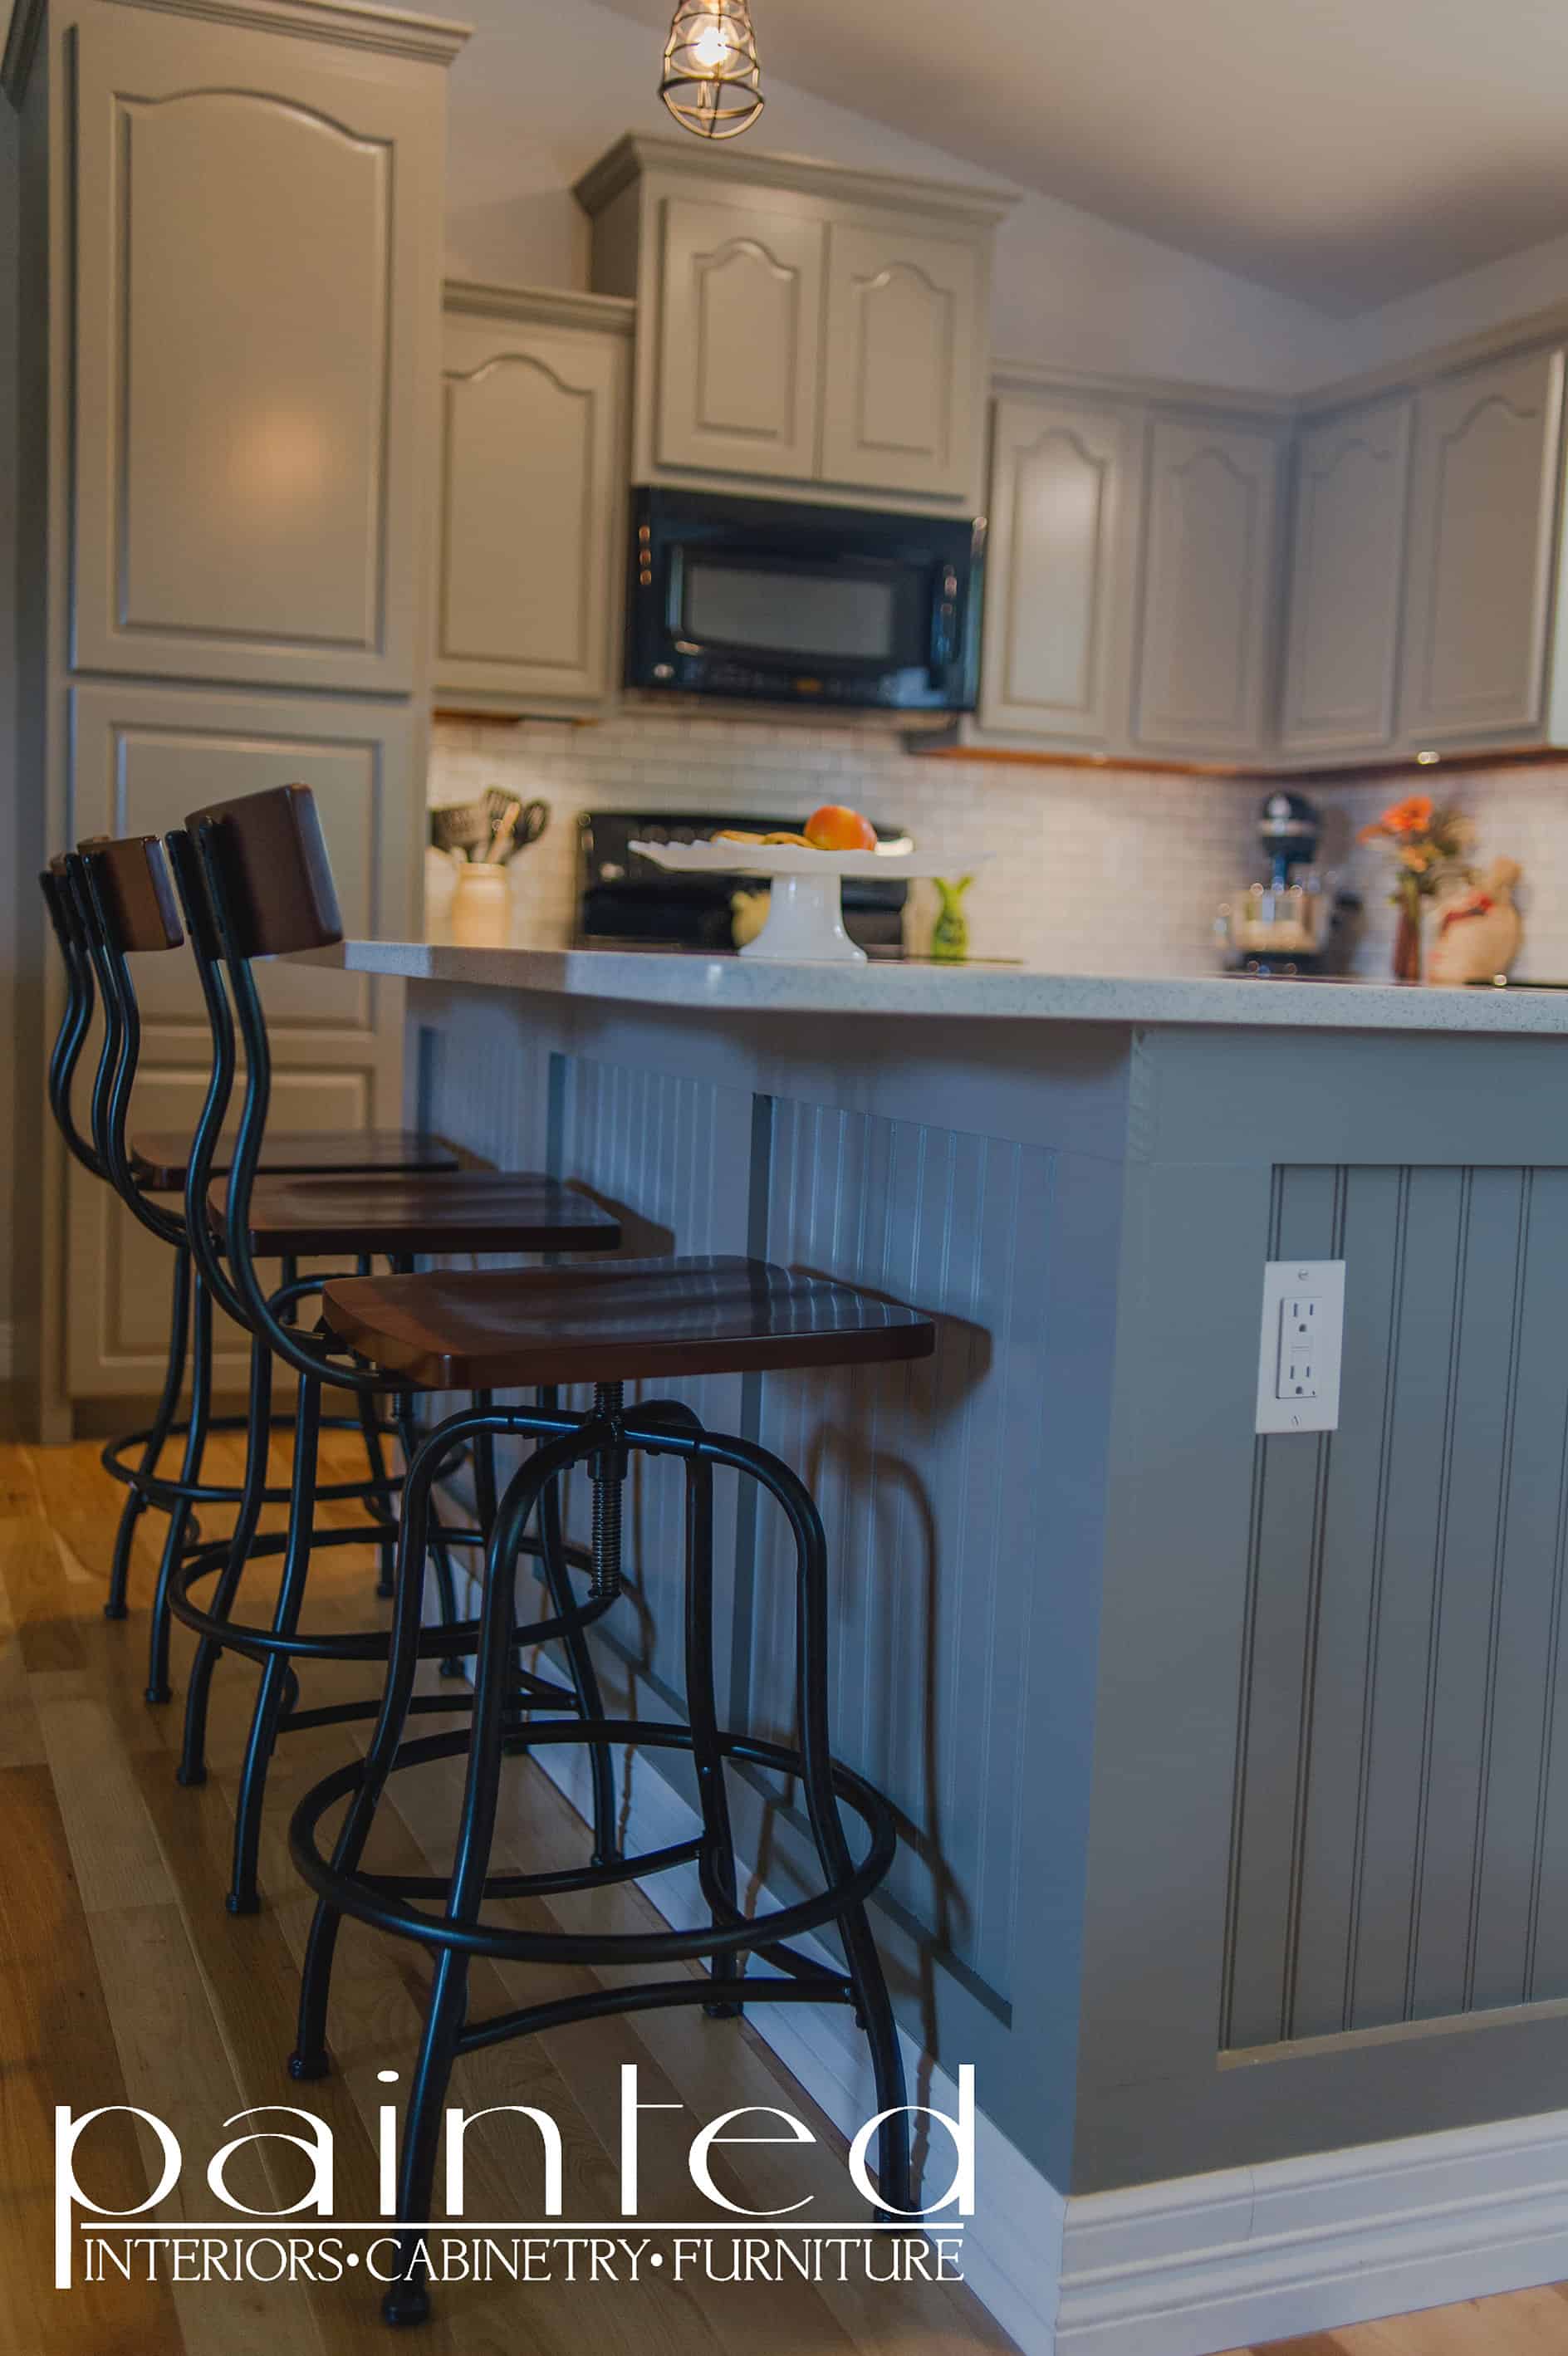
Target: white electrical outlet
(1300, 1345)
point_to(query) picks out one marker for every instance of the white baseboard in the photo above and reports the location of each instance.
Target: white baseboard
(1199, 2265)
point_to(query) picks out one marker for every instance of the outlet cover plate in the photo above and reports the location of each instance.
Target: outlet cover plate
(1321, 1282)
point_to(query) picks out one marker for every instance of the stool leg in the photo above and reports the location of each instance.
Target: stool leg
(862, 1961)
(717, 1863)
(275, 1675)
(439, 1554)
(308, 2060)
(581, 1672)
(131, 1512)
(380, 1501)
(408, 2298)
(258, 1451)
(179, 1529)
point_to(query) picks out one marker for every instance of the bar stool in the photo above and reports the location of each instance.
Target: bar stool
(254, 880)
(157, 1165)
(606, 1325)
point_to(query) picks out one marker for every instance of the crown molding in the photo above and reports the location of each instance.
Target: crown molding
(339, 23)
(1041, 376)
(538, 306)
(638, 154)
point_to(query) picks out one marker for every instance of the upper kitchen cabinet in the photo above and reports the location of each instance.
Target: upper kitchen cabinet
(1347, 574)
(905, 314)
(257, 303)
(1063, 504)
(533, 498)
(1208, 588)
(1482, 542)
(815, 333)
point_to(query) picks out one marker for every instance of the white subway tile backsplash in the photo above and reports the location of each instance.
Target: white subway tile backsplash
(1088, 870)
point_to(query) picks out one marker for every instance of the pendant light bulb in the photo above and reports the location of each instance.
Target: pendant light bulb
(711, 80)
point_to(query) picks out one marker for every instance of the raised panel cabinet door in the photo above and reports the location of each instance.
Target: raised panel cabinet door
(1055, 654)
(1482, 528)
(143, 757)
(255, 354)
(739, 334)
(901, 400)
(1352, 484)
(1207, 587)
(534, 474)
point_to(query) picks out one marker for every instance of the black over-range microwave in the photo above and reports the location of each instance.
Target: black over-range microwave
(775, 601)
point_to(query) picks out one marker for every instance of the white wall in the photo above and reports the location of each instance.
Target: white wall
(1465, 306)
(543, 89)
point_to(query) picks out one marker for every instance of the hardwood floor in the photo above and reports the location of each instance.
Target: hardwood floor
(124, 1981)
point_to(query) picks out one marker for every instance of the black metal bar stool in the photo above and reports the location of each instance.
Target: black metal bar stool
(157, 1164)
(254, 880)
(605, 1326)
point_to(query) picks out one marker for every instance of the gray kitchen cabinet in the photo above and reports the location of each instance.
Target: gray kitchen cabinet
(230, 328)
(1347, 574)
(533, 495)
(1482, 551)
(1063, 505)
(816, 332)
(739, 336)
(143, 757)
(901, 394)
(255, 312)
(1208, 589)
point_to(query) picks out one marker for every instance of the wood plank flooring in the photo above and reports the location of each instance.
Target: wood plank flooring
(123, 1980)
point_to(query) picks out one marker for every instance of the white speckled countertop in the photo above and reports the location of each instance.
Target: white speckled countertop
(1007, 993)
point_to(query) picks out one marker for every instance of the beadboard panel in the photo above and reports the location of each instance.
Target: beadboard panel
(674, 1152)
(929, 1477)
(1402, 1817)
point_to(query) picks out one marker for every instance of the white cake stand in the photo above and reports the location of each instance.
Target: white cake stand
(805, 913)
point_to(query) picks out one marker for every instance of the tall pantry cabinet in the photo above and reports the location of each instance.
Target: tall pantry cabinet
(230, 300)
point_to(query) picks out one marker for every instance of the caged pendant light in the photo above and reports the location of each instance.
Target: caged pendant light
(712, 80)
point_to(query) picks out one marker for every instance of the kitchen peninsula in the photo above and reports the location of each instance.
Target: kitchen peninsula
(1234, 1823)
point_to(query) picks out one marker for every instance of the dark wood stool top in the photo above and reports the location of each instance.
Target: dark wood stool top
(159, 1157)
(442, 1211)
(616, 1322)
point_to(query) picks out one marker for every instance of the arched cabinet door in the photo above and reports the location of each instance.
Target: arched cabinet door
(901, 390)
(1483, 518)
(739, 331)
(255, 355)
(532, 512)
(1341, 672)
(1058, 570)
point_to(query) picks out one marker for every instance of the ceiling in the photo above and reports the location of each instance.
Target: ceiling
(1345, 152)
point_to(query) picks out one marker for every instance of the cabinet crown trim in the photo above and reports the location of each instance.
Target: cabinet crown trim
(343, 23)
(538, 306)
(636, 154)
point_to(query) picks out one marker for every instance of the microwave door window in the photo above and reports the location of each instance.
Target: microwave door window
(841, 617)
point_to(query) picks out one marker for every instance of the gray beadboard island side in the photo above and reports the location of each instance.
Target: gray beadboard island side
(1234, 1789)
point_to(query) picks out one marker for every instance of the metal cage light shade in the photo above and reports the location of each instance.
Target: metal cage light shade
(711, 80)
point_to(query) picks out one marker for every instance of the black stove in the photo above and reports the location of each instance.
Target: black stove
(625, 902)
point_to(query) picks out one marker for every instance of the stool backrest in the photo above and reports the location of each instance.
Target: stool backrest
(76, 1016)
(124, 900)
(254, 881)
(268, 872)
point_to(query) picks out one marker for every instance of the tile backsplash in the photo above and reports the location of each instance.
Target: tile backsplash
(1088, 870)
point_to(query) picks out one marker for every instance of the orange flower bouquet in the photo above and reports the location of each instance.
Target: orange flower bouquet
(1429, 844)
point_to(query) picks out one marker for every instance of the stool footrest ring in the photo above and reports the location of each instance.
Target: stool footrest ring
(655, 1996)
(355, 1894)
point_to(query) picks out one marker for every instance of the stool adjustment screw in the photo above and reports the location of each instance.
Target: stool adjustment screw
(608, 1470)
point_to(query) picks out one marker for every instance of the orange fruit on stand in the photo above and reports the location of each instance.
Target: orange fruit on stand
(833, 828)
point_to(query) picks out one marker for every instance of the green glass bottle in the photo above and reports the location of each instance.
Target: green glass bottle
(950, 934)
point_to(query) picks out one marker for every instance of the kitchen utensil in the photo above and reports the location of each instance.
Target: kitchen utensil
(462, 827)
(533, 817)
(502, 839)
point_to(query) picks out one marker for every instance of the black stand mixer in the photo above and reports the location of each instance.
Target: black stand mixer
(1288, 926)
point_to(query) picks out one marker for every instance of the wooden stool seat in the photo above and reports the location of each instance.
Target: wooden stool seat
(459, 1329)
(159, 1156)
(393, 1212)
